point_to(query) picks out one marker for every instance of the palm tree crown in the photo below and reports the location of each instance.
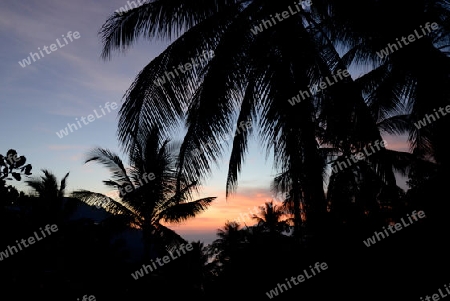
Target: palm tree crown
(270, 218)
(147, 190)
(51, 205)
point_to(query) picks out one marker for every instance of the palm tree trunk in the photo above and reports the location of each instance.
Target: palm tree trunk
(296, 199)
(147, 239)
(313, 183)
(315, 200)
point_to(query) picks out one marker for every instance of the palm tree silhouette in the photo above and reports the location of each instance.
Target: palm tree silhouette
(47, 185)
(226, 248)
(252, 77)
(50, 194)
(147, 204)
(270, 218)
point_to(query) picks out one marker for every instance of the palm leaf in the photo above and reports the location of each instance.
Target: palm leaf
(113, 162)
(101, 200)
(183, 211)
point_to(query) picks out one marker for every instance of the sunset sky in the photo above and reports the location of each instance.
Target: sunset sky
(72, 81)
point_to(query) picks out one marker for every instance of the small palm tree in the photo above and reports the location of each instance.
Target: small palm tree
(270, 218)
(50, 194)
(230, 241)
(47, 185)
(148, 192)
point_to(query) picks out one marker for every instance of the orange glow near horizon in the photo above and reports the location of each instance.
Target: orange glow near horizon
(239, 207)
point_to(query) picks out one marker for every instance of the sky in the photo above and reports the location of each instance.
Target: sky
(68, 82)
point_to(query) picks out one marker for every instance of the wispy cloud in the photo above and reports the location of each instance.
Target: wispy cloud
(63, 147)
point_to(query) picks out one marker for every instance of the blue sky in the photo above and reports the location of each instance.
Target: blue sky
(71, 82)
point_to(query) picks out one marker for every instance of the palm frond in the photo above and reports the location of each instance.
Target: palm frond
(113, 162)
(169, 238)
(63, 185)
(395, 125)
(46, 185)
(183, 211)
(101, 200)
(155, 19)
